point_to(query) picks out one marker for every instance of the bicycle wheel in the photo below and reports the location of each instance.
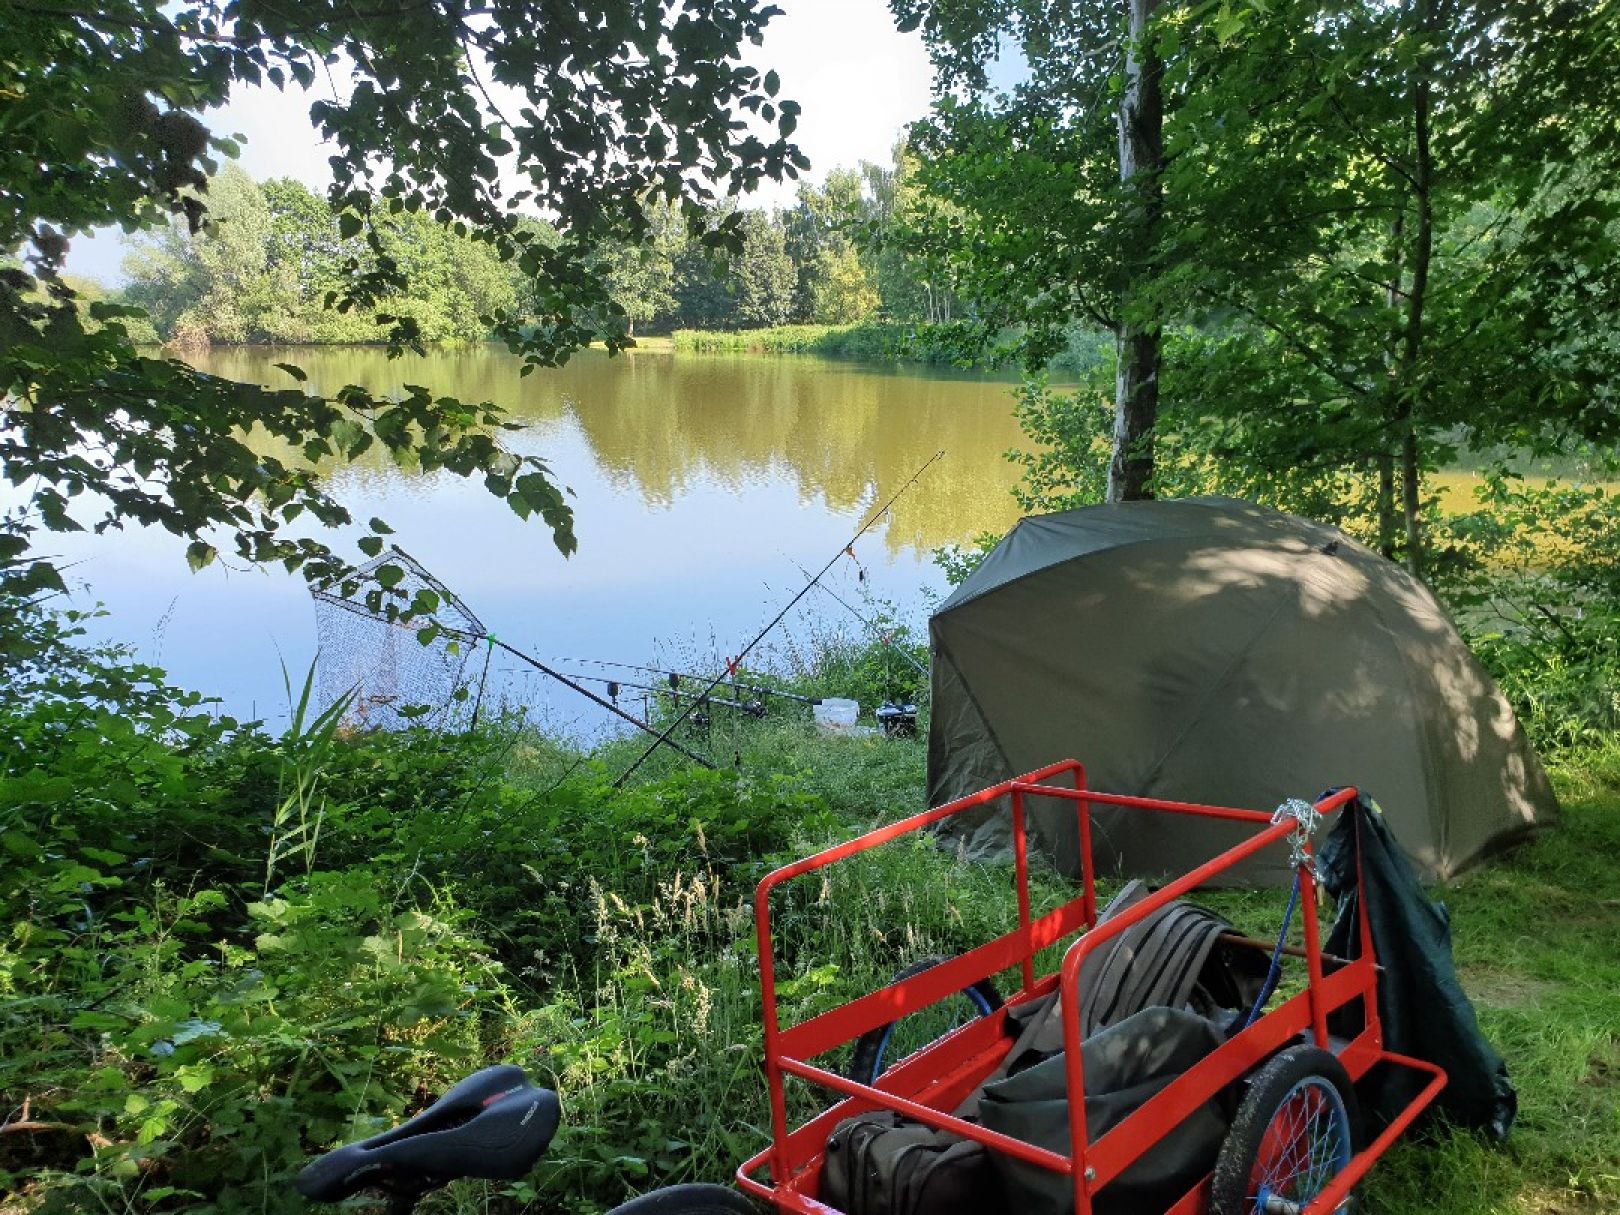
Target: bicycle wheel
(875, 1048)
(1296, 1130)
(692, 1199)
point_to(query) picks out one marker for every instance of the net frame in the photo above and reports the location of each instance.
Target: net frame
(395, 673)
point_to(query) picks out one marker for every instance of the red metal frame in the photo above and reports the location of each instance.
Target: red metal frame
(938, 1078)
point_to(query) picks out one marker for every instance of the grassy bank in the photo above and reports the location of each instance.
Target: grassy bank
(226, 951)
(869, 341)
(882, 342)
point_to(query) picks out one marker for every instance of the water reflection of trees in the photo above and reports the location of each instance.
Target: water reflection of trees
(664, 426)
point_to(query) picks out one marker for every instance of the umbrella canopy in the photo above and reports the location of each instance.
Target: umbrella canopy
(1215, 651)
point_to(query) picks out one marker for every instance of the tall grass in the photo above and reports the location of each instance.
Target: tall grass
(957, 344)
(176, 1036)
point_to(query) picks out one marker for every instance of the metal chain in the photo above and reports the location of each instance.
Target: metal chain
(1306, 818)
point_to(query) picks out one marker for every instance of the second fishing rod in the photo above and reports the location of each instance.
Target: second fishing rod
(676, 677)
(672, 688)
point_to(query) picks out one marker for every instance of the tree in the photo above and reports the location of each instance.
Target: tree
(1033, 166)
(1388, 230)
(705, 296)
(841, 292)
(616, 103)
(1359, 226)
(765, 276)
(909, 236)
(641, 273)
(820, 222)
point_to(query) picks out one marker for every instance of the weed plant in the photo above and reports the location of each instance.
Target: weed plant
(960, 344)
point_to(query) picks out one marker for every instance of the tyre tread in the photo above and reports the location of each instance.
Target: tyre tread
(1267, 1087)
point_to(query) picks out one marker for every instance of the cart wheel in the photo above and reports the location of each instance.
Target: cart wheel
(689, 1200)
(872, 1047)
(1296, 1129)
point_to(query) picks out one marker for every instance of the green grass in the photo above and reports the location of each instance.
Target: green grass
(1537, 941)
(787, 339)
(491, 897)
(955, 344)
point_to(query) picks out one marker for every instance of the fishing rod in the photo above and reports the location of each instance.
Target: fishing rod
(877, 631)
(493, 641)
(473, 630)
(777, 619)
(752, 708)
(761, 689)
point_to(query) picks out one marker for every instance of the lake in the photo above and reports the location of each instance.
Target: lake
(701, 484)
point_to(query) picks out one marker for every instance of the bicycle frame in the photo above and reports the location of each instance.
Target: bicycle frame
(936, 1079)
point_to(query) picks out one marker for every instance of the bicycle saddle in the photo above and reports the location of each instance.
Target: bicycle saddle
(493, 1124)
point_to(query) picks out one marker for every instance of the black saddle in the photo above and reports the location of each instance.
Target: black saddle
(493, 1124)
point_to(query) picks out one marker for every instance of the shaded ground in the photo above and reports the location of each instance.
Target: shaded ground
(1537, 940)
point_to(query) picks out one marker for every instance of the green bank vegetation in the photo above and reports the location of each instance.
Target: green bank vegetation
(1085, 353)
(226, 950)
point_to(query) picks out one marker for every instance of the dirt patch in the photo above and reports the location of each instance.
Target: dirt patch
(1603, 1068)
(1504, 990)
(1561, 1202)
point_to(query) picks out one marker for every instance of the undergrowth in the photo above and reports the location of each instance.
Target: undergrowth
(183, 1023)
(961, 344)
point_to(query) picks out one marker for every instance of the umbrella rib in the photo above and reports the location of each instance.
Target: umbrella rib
(1214, 688)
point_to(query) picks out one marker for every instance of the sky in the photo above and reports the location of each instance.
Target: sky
(858, 80)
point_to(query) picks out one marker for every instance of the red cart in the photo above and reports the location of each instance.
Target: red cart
(929, 1084)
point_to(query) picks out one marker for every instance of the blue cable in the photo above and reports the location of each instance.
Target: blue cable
(1275, 972)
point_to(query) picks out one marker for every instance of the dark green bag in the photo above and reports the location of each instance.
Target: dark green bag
(880, 1164)
(1125, 1065)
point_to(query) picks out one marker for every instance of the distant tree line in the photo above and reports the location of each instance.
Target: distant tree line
(270, 267)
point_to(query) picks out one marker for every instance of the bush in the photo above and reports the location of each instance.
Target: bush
(959, 344)
(226, 951)
(1533, 575)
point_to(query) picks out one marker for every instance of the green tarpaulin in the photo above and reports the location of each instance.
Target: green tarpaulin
(1211, 650)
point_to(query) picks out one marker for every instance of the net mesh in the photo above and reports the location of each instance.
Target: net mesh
(396, 679)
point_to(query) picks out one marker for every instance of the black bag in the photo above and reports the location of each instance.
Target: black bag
(880, 1164)
(1125, 1065)
(1423, 1009)
(1173, 959)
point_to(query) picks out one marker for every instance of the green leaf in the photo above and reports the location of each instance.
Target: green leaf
(200, 554)
(292, 369)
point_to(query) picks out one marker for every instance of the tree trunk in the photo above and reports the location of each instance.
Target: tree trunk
(1136, 411)
(1411, 372)
(1386, 503)
(1141, 163)
(1386, 453)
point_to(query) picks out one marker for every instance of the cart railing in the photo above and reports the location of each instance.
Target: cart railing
(1113, 1153)
(789, 1050)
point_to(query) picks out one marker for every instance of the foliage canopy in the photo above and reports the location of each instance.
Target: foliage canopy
(1382, 231)
(475, 117)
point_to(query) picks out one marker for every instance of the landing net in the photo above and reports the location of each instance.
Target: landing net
(396, 678)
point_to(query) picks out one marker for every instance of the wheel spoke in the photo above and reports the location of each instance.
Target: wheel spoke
(1302, 1148)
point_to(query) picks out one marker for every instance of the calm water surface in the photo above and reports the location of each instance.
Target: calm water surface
(698, 482)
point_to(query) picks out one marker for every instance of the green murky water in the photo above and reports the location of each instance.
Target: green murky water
(700, 484)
